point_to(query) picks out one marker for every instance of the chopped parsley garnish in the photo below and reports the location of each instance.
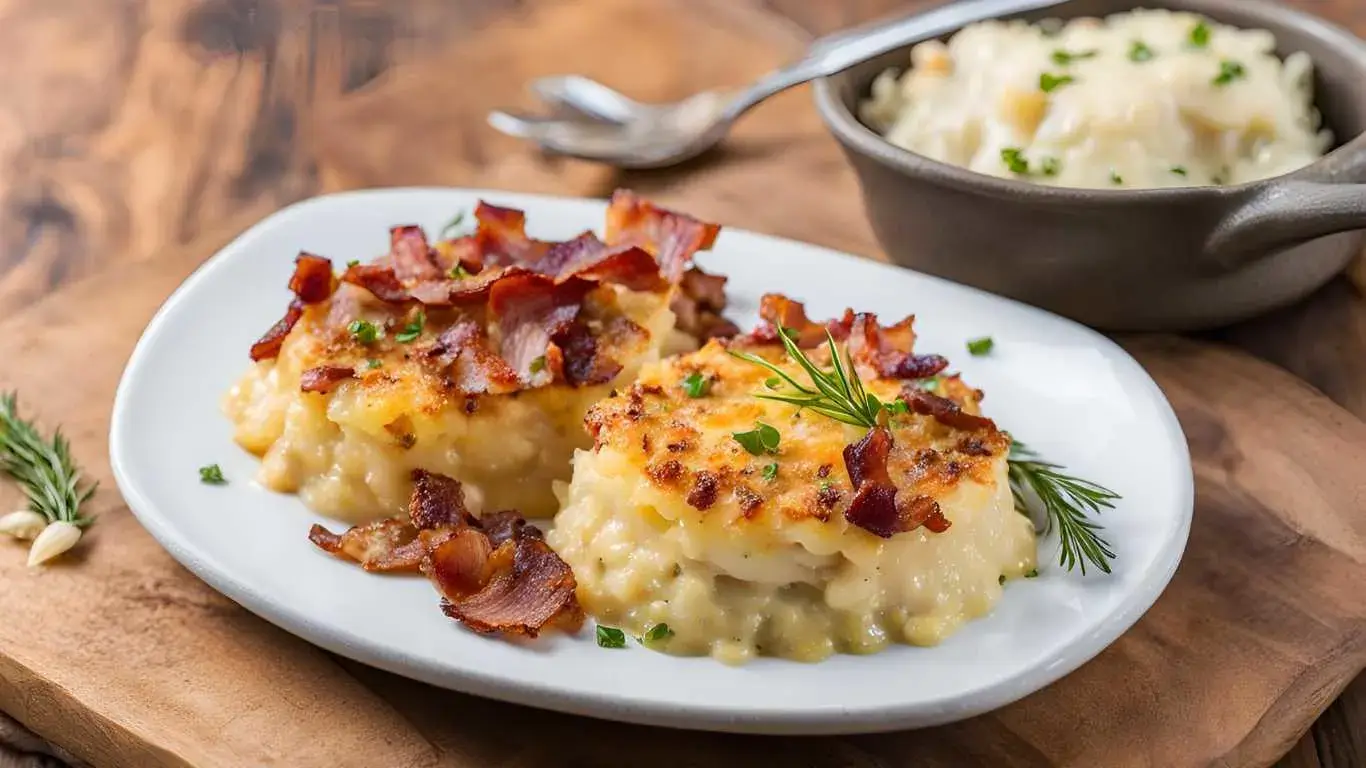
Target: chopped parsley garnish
(825, 485)
(773, 382)
(657, 634)
(1051, 166)
(1116, 179)
(979, 347)
(1140, 52)
(353, 263)
(1015, 160)
(760, 440)
(1228, 72)
(363, 331)
(1062, 58)
(929, 385)
(1179, 170)
(212, 475)
(897, 406)
(453, 224)
(1199, 36)
(696, 385)
(610, 637)
(458, 272)
(538, 364)
(1049, 82)
(1033, 573)
(413, 329)
(372, 364)
(770, 472)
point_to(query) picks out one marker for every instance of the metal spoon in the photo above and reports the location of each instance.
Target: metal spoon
(595, 122)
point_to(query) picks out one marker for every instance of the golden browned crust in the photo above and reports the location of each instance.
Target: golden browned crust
(685, 445)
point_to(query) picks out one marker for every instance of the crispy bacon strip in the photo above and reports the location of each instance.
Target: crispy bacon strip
(778, 311)
(507, 524)
(502, 237)
(475, 368)
(672, 238)
(325, 378)
(312, 282)
(698, 304)
(268, 347)
(379, 280)
(520, 588)
(887, 352)
(412, 258)
(944, 410)
(385, 545)
(530, 311)
(875, 506)
(589, 258)
(438, 501)
(494, 575)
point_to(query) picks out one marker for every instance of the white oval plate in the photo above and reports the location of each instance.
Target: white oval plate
(1067, 391)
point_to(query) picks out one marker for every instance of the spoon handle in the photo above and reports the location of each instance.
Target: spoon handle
(841, 50)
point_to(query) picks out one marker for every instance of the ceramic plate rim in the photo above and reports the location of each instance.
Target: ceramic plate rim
(598, 703)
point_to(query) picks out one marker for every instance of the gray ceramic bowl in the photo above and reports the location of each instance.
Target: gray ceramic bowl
(1180, 259)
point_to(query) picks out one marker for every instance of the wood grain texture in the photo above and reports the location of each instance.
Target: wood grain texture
(165, 127)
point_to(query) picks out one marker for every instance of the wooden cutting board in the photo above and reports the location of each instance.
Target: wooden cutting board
(128, 660)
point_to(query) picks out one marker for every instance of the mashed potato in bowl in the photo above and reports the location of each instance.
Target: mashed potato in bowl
(1143, 99)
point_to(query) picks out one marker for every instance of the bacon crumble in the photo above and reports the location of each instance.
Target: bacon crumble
(885, 352)
(325, 378)
(312, 283)
(875, 506)
(944, 410)
(698, 304)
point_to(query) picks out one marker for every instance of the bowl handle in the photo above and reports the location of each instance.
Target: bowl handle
(1281, 215)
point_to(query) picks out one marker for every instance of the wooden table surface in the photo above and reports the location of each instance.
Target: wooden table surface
(131, 127)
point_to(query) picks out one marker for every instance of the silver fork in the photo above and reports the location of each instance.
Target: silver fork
(597, 123)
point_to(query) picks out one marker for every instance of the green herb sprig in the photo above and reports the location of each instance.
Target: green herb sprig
(838, 394)
(764, 438)
(696, 385)
(1063, 57)
(1139, 52)
(42, 467)
(453, 226)
(1228, 72)
(1067, 501)
(412, 330)
(1049, 82)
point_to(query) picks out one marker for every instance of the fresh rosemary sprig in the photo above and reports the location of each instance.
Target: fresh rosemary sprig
(838, 393)
(43, 468)
(1067, 501)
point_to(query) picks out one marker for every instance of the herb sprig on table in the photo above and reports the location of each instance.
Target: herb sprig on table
(1067, 502)
(45, 472)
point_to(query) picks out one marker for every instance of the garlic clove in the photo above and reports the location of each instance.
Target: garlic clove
(53, 541)
(24, 524)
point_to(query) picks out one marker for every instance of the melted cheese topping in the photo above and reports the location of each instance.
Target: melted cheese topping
(349, 453)
(670, 520)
